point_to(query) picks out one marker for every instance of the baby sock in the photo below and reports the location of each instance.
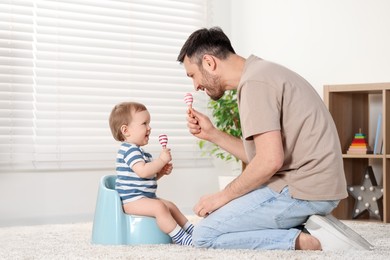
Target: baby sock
(179, 236)
(188, 228)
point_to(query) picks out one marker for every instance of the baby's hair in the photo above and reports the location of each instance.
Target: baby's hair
(121, 115)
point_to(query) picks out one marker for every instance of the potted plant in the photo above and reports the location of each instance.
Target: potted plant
(226, 118)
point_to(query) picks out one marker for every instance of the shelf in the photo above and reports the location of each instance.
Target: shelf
(351, 107)
(368, 156)
(374, 88)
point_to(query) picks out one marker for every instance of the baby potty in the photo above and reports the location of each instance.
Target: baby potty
(111, 226)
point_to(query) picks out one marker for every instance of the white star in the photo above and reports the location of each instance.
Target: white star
(368, 195)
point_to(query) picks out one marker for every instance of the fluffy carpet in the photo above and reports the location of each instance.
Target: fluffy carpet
(73, 241)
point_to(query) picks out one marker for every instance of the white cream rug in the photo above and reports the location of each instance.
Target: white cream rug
(73, 241)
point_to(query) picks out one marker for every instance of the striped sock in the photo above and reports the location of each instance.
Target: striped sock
(180, 237)
(188, 228)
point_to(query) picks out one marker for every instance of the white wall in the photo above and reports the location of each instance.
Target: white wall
(65, 197)
(47, 197)
(326, 41)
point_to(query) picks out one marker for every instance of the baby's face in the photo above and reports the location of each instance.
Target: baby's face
(139, 128)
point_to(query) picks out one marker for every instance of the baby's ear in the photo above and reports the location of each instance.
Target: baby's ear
(124, 130)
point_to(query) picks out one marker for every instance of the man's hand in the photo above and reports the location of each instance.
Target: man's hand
(209, 203)
(199, 124)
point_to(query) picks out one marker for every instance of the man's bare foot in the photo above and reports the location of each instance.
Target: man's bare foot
(307, 242)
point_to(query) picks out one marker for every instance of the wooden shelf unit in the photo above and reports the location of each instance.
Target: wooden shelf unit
(349, 106)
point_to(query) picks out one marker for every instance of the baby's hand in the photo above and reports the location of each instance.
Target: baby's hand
(165, 155)
(167, 169)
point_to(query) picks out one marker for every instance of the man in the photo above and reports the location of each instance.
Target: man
(291, 148)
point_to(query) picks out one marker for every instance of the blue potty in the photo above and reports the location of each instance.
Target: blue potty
(111, 226)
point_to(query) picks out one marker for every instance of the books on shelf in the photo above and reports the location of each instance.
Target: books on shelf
(378, 143)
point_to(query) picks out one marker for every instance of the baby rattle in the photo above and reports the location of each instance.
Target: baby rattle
(163, 139)
(188, 99)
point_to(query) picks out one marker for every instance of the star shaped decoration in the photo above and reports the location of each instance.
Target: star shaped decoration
(368, 195)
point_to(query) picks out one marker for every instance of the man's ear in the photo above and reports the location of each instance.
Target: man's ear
(209, 62)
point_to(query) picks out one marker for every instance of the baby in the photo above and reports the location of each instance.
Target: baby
(137, 172)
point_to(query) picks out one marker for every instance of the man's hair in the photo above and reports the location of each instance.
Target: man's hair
(120, 115)
(211, 41)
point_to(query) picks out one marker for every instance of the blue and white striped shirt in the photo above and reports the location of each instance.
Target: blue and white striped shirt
(128, 184)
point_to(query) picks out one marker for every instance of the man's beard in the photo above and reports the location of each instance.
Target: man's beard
(212, 84)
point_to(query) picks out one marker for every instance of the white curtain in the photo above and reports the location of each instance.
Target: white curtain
(64, 64)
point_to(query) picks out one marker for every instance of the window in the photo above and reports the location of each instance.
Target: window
(64, 64)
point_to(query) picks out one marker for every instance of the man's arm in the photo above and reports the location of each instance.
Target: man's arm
(267, 161)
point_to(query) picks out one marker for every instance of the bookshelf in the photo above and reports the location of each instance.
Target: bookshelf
(350, 106)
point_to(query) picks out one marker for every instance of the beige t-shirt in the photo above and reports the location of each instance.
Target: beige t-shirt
(271, 97)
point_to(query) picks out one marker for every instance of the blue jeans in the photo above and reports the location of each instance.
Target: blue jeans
(261, 219)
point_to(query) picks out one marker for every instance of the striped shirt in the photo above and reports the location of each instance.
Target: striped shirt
(128, 184)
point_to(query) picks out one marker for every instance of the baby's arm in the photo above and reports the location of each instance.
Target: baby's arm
(150, 169)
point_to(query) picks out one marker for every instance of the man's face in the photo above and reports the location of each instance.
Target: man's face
(203, 79)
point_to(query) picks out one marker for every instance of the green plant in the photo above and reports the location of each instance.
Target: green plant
(226, 118)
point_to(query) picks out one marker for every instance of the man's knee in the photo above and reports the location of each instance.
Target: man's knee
(202, 237)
